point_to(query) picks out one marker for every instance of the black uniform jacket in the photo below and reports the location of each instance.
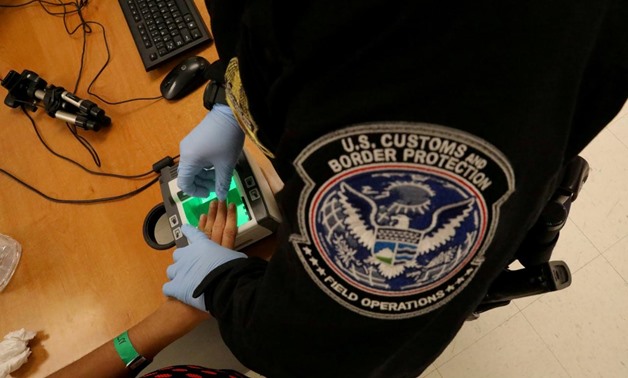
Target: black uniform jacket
(418, 142)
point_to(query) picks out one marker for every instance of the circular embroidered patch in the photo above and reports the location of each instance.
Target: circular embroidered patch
(394, 224)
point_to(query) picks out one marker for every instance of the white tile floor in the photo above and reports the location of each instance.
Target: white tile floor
(578, 332)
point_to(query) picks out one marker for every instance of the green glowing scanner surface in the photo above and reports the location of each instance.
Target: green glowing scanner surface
(194, 206)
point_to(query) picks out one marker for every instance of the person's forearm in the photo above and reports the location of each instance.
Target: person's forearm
(170, 321)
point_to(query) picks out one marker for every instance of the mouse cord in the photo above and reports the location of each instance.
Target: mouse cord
(89, 87)
(85, 26)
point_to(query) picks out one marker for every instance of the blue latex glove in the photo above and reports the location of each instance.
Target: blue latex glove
(193, 263)
(216, 141)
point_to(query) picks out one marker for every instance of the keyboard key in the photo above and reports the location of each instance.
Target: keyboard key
(163, 28)
(183, 7)
(186, 35)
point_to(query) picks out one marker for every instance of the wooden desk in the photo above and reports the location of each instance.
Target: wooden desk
(86, 273)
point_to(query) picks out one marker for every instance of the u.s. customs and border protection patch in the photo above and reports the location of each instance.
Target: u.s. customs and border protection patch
(395, 218)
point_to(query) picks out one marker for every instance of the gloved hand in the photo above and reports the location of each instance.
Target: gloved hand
(193, 263)
(216, 141)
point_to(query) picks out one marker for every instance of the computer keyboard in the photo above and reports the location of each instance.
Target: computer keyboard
(164, 29)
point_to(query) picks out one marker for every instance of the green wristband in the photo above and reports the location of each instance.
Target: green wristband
(125, 349)
(132, 360)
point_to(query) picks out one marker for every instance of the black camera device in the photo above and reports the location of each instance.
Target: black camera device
(28, 90)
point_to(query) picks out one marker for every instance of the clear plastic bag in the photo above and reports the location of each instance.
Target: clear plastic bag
(10, 253)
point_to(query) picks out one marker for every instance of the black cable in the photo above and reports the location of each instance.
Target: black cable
(81, 202)
(19, 5)
(61, 4)
(41, 139)
(86, 28)
(92, 151)
(79, 5)
(89, 91)
(77, 8)
(87, 201)
(84, 25)
(41, 2)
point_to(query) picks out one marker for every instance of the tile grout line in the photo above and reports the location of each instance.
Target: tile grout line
(599, 252)
(611, 264)
(546, 345)
(481, 337)
(620, 140)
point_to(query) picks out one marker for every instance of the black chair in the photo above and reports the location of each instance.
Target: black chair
(540, 275)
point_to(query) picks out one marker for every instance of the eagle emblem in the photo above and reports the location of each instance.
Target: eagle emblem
(397, 231)
(396, 245)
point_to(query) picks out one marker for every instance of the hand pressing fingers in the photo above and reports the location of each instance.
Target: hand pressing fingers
(230, 230)
(220, 223)
(202, 221)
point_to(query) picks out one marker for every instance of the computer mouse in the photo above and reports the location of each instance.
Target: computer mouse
(185, 77)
